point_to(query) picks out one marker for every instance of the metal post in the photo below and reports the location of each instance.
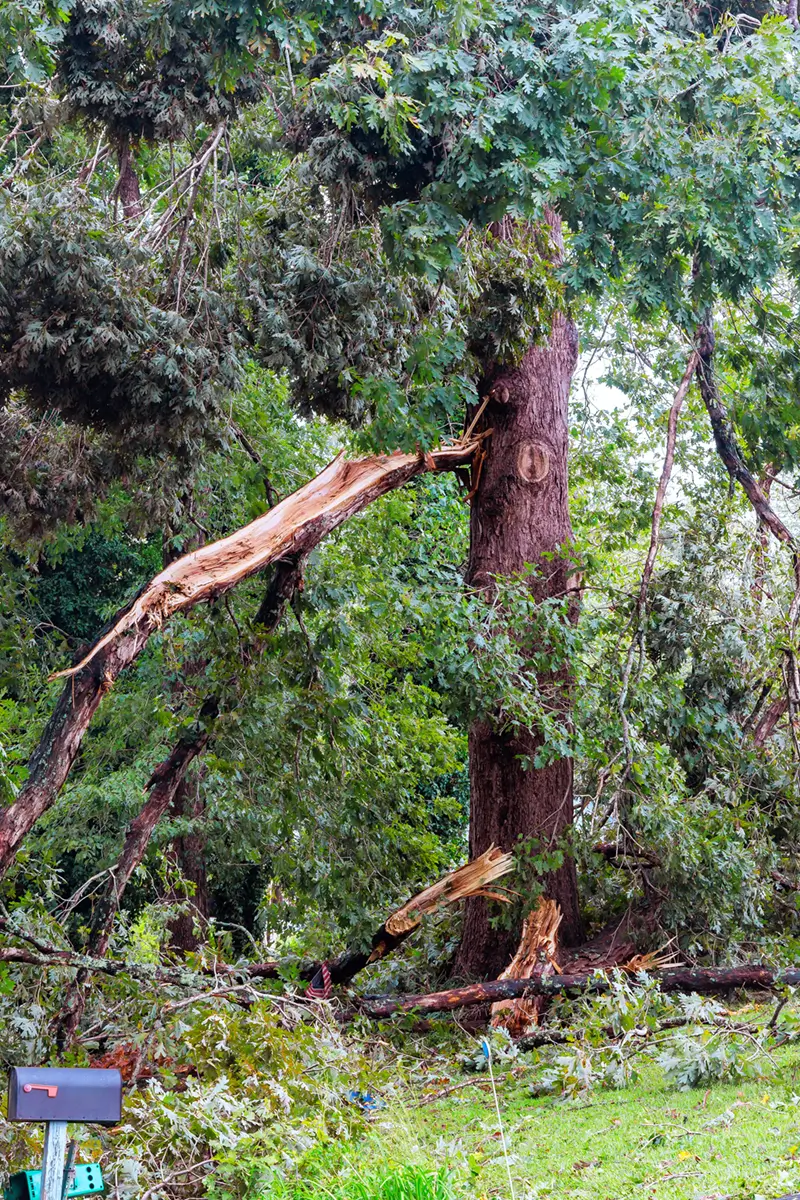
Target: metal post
(69, 1169)
(55, 1145)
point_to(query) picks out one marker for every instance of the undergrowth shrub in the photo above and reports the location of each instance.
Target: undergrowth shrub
(229, 1101)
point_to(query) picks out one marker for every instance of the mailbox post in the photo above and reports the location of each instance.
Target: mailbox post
(58, 1095)
(55, 1148)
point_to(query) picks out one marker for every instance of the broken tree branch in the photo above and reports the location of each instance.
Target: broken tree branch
(535, 958)
(291, 528)
(708, 981)
(162, 786)
(294, 526)
(165, 785)
(725, 438)
(473, 879)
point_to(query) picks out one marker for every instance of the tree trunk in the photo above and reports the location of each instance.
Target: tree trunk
(128, 184)
(188, 856)
(520, 516)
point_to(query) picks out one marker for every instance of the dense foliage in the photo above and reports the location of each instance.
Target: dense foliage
(238, 240)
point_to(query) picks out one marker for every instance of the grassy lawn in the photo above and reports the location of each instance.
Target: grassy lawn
(648, 1140)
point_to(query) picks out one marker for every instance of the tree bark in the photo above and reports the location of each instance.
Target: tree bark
(520, 518)
(730, 452)
(187, 853)
(163, 785)
(709, 981)
(725, 437)
(128, 184)
(292, 528)
(769, 721)
(169, 790)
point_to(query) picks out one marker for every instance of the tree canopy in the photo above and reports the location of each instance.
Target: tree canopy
(237, 240)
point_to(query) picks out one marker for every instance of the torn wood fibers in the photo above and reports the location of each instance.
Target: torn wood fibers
(291, 528)
(535, 959)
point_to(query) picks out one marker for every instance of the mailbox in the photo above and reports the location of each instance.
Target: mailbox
(64, 1094)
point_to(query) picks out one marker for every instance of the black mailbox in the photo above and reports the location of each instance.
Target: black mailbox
(64, 1094)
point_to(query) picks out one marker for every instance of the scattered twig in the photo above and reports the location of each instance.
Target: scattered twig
(454, 1087)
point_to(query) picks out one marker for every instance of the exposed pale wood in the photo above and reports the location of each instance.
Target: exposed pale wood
(535, 958)
(472, 879)
(290, 529)
(457, 885)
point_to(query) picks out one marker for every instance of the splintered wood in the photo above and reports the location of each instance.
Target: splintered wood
(535, 959)
(292, 527)
(289, 530)
(473, 879)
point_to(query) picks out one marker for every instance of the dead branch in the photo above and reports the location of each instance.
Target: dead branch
(473, 879)
(731, 455)
(561, 1037)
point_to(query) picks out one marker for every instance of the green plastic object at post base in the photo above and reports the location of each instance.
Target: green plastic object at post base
(87, 1180)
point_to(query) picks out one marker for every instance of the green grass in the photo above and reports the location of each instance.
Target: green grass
(646, 1141)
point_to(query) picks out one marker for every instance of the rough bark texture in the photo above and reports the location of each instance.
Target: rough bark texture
(288, 579)
(710, 981)
(769, 721)
(187, 852)
(292, 528)
(163, 786)
(725, 437)
(730, 452)
(128, 184)
(52, 759)
(520, 516)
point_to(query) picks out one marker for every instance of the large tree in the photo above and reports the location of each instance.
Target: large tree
(459, 182)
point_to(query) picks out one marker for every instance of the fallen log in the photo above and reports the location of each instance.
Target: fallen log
(290, 529)
(708, 981)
